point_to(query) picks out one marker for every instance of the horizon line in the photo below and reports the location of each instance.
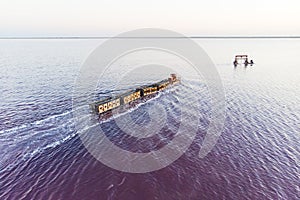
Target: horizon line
(154, 37)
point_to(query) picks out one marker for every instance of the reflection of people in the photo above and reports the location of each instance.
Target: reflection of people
(251, 62)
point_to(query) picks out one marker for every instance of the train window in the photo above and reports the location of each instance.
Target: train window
(110, 105)
(105, 107)
(127, 99)
(100, 109)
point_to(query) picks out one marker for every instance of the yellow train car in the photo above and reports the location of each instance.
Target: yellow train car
(131, 96)
(163, 84)
(108, 105)
(150, 90)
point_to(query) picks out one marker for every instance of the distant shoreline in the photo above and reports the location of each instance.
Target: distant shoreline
(191, 37)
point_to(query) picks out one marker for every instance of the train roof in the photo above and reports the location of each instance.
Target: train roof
(153, 84)
(105, 100)
(108, 99)
(127, 93)
(163, 81)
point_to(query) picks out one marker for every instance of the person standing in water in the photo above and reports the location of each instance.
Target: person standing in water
(246, 62)
(235, 62)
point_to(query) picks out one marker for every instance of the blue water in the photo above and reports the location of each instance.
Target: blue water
(256, 157)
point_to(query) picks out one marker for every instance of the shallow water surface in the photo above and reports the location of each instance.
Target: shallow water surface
(256, 157)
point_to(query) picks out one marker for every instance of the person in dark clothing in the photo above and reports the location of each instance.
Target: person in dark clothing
(235, 62)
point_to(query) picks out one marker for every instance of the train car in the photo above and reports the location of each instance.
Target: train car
(162, 85)
(107, 105)
(150, 89)
(130, 96)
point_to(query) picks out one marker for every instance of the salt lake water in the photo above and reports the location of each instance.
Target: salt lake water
(256, 157)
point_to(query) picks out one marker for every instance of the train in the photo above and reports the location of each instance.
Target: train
(104, 108)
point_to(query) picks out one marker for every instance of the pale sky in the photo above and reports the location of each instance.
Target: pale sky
(110, 17)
